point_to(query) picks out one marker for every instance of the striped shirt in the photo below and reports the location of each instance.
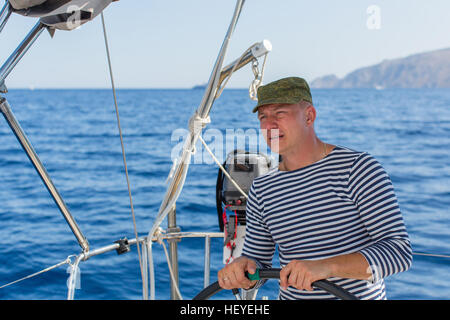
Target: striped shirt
(341, 204)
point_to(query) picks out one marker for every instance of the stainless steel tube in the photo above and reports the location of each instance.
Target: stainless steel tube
(144, 268)
(255, 51)
(210, 92)
(110, 247)
(203, 111)
(4, 15)
(207, 265)
(28, 148)
(15, 57)
(180, 171)
(143, 240)
(173, 251)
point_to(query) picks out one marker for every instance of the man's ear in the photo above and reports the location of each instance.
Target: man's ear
(310, 114)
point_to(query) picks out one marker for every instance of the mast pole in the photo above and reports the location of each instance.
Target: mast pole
(196, 126)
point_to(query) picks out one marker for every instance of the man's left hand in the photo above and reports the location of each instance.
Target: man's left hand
(300, 274)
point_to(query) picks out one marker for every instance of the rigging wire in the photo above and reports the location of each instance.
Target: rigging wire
(160, 240)
(222, 168)
(252, 92)
(431, 255)
(144, 287)
(67, 261)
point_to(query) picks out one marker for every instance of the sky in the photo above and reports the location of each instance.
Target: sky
(174, 43)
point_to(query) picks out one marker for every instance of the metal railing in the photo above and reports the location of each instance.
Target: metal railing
(167, 208)
(143, 241)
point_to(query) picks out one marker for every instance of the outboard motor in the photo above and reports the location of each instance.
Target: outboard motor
(243, 167)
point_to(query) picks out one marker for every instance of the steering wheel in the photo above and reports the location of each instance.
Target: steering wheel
(274, 273)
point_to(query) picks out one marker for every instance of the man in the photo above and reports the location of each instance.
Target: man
(331, 210)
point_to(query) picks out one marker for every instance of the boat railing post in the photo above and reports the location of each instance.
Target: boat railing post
(173, 251)
(144, 250)
(28, 148)
(206, 274)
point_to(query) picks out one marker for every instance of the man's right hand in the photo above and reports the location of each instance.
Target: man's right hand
(233, 275)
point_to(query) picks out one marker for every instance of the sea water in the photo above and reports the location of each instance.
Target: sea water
(75, 134)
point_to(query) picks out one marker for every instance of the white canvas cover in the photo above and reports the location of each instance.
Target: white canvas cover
(74, 13)
(24, 4)
(61, 14)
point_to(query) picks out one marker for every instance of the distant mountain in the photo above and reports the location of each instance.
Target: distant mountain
(423, 70)
(199, 86)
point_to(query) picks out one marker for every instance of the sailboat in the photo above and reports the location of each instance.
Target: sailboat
(54, 15)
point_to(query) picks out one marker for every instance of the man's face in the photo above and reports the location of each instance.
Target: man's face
(283, 126)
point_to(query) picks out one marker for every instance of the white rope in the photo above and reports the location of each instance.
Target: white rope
(254, 87)
(222, 168)
(196, 124)
(144, 287)
(160, 240)
(156, 225)
(67, 261)
(172, 170)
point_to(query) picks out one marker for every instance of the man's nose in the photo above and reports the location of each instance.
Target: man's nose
(271, 123)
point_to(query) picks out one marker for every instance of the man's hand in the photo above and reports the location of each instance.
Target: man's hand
(301, 274)
(233, 275)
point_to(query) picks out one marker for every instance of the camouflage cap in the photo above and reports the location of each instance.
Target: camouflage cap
(287, 91)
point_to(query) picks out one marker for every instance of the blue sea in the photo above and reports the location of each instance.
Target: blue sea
(75, 134)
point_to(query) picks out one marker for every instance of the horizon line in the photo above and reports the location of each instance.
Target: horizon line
(117, 88)
(182, 88)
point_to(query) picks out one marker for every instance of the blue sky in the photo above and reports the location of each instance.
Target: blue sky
(173, 44)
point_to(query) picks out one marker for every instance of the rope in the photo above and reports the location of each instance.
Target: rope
(153, 231)
(144, 287)
(196, 124)
(222, 168)
(160, 240)
(67, 261)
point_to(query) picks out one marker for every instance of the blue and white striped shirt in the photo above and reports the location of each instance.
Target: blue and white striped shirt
(341, 204)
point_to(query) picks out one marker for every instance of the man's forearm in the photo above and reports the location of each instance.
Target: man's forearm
(352, 266)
